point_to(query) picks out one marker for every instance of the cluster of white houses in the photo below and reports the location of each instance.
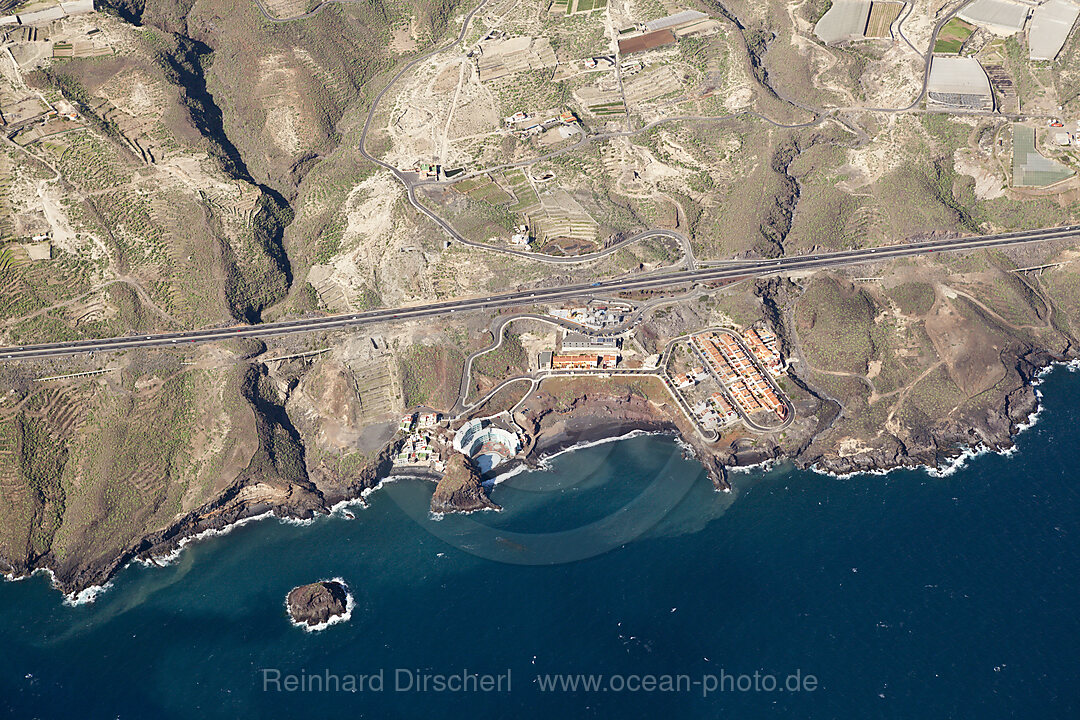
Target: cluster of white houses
(411, 421)
(525, 126)
(428, 444)
(422, 443)
(691, 378)
(420, 449)
(715, 412)
(596, 317)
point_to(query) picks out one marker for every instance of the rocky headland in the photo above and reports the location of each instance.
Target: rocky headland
(460, 490)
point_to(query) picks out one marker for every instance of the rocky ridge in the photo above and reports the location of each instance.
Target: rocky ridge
(460, 489)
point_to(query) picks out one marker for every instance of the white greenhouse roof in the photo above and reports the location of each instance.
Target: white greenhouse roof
(1050, 26)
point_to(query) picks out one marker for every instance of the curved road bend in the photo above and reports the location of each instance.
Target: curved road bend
(820, 117)
(499, 326)
(684, 243)
(537, 295)
(493, 392)
(303, 16)
(410, 183)
(927, 56)
(498, 329)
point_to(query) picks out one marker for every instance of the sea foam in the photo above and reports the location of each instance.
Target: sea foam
(350, 603)
(954, 465)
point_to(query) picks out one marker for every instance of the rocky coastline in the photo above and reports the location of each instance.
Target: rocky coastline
(940, 446)
(592, 418)
(597, 417)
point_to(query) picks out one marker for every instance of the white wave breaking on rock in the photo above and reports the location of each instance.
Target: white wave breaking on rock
(350, 604)
(955, 464)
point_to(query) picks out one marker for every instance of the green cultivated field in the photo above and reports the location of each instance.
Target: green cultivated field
(571, 7)
(953, 36)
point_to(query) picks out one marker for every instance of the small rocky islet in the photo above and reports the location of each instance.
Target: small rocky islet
(318, 603)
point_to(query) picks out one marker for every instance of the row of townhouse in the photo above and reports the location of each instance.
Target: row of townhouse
(716, 361)
(748, 387)
(743, 397)
(763, 343)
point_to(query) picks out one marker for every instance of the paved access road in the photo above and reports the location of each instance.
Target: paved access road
(657, 281)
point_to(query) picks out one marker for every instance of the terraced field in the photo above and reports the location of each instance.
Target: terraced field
(562, 217)
(523, 190)
(375, 388)
(882, 16)
(484, 189)
(607, 109)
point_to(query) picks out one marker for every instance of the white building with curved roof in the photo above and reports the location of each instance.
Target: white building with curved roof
(488, 445)
(959, 82)
(844, 20)
(1001, 17)
(1051, 24)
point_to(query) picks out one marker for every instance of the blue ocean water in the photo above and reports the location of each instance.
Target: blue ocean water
(901, 596)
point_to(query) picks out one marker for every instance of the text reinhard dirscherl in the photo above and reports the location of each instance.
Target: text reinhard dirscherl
(404, 680)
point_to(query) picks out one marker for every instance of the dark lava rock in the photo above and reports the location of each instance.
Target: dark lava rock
(460, 489)
(318, 602)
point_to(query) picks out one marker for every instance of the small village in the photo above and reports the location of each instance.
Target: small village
(719, 377)
(429, 440)
(425, 442)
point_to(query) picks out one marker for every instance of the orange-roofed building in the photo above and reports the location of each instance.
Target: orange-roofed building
(574, 362)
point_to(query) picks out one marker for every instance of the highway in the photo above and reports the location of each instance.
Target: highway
(657, 281)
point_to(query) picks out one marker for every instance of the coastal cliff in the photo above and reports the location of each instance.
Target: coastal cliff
(291, 438)
(557, 422)
(594, 414)
(992, 427)
(609, 412)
